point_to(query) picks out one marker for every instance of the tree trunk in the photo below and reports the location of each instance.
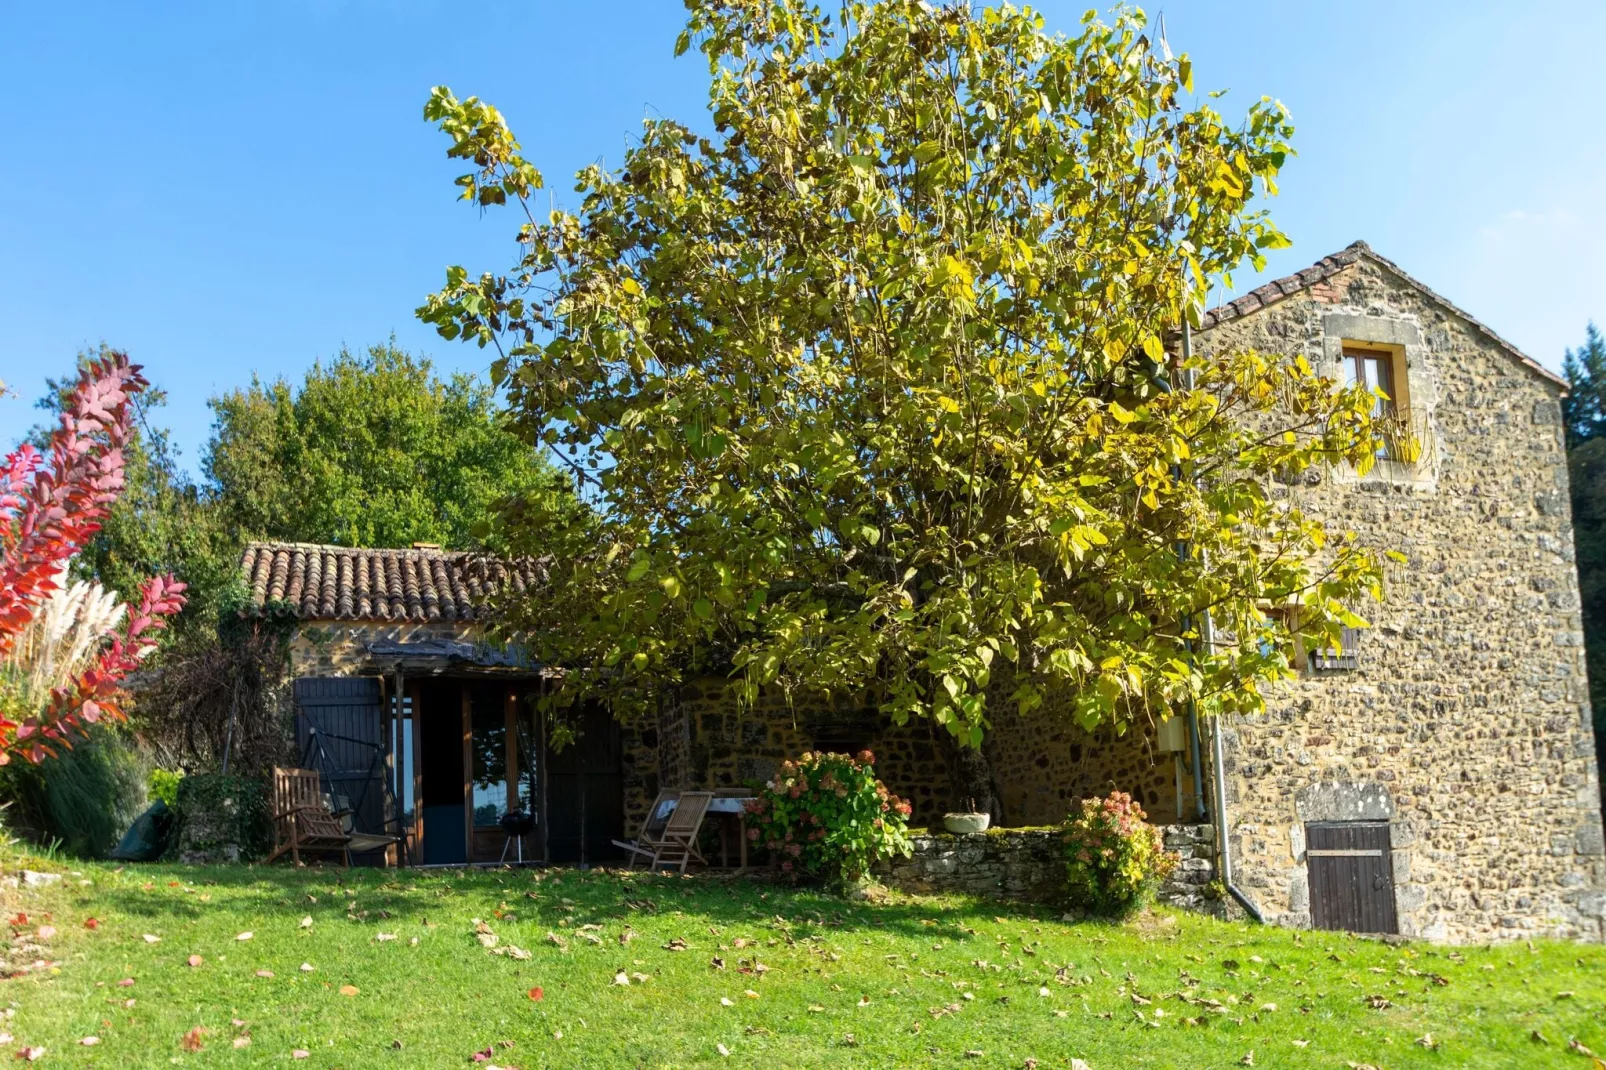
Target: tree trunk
(970, 780)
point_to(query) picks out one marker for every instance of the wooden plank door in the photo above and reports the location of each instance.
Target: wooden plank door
(1351, 876)
(340, 731)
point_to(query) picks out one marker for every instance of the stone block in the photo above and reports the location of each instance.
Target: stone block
(1589, 839)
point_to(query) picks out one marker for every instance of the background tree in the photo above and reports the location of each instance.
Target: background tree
(1584, 410)
(372, 449)
(872, 385)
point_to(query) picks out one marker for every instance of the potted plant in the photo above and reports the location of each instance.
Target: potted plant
(967, 822)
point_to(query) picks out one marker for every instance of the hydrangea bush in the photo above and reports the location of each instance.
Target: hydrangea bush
(1114, 859)
(827, 817)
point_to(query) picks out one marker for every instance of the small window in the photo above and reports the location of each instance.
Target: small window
(1376, 370)
(1288, 617)
(1382, 371)
(1346, 656)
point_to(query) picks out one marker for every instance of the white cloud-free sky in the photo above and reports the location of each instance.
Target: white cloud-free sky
(229, 189)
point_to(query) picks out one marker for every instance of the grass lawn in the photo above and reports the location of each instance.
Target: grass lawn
(396, 975)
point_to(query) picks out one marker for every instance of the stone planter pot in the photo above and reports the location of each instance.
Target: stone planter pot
(965, 824)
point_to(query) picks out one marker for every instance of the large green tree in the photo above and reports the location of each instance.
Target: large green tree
(1584, 410)
(873, 383)
(371, 449)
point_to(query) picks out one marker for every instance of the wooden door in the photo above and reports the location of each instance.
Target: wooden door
(1351, 876)
(340, 732)
(585, 791)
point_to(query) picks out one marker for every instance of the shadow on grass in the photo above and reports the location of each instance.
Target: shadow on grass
(543, 896)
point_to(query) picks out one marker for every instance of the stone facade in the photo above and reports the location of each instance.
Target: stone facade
(1028, 863)
(1042, 764)
(1465, 724)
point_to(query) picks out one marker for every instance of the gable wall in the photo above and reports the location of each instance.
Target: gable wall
(1467, 725)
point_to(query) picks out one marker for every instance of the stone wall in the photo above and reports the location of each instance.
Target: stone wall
(729, 744)
(1042, 764)
(1028, 863)
(1466, 725)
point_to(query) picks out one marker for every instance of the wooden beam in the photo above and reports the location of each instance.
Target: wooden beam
(416, 690)
(468, 771)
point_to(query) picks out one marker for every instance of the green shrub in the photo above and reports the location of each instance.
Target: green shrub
(84, 797)
(1114, 859)
(827, 817)
(218, 815)
(164, 786)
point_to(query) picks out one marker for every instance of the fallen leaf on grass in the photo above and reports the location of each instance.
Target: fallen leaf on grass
(300, 1053)
(557, 941)
(306, 922)
(47, 931)
(349, 990)
(30, 1054)
(90, 1042)
(306, 967)
(677, 944)
(1300, 1043)
(192, 1041)
(264, 973)
(723, 1050)
(1247, 1060)
(245, 936)
(385, 937)
(536, 995)
(91, 923)
(150, 939)
(621, 978)
(1577, 1047)
(864, 1001)
(242, 1042)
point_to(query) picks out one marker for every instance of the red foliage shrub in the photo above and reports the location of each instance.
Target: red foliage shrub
(49, 508)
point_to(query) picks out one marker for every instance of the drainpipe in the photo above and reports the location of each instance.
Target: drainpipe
(1196, 767)
(1206, 642)
(1223, 841)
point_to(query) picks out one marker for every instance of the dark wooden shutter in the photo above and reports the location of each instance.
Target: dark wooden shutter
(585, 790)
(340, 733)
(1351, 876)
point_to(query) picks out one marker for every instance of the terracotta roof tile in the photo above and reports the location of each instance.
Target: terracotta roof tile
(347, 583)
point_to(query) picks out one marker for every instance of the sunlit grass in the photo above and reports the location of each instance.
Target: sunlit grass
(779, 978)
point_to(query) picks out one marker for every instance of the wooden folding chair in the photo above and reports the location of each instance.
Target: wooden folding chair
(645, 845)
(302, 820)
(679, 844)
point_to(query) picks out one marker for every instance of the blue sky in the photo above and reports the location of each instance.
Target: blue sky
(225, 189)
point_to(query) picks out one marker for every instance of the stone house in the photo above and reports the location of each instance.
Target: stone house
(1435, 778)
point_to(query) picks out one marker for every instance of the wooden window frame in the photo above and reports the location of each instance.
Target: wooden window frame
(1400, 445)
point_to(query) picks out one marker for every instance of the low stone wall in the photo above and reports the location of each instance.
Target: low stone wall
(1026, 863)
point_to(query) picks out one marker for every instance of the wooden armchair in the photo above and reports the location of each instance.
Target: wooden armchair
(679, 843)
(645, 846)
(302, 820)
